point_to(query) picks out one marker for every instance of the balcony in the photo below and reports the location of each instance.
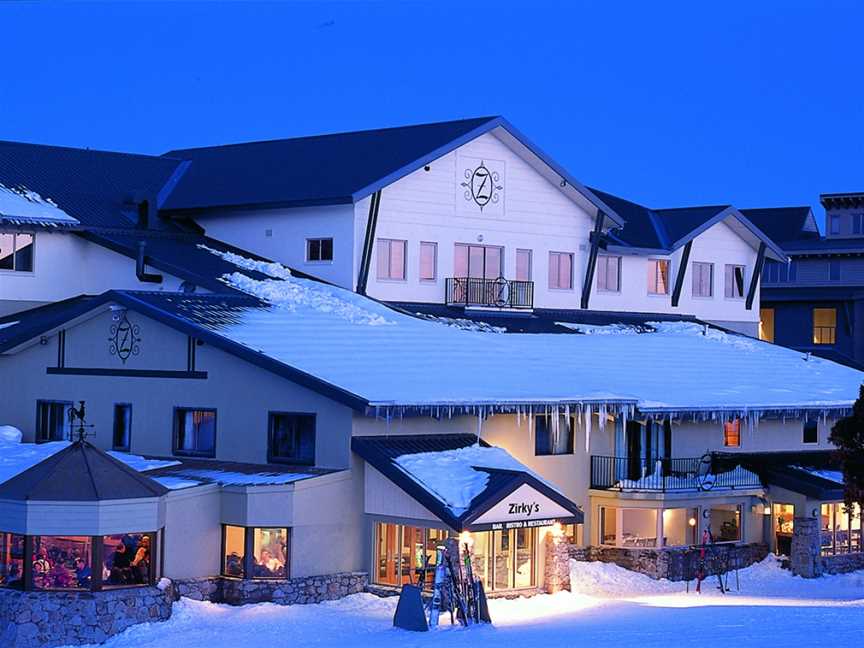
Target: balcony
(489, 293)
(693, 474)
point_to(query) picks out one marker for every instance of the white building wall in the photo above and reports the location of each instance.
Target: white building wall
(718, 245)
(431, 206)
(280, 235)
(66, 265)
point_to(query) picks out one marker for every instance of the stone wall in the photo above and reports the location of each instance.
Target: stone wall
(556, 571)
(843, 563)
(806, 541)
(44, 619)
(234, 591)
(675, 563)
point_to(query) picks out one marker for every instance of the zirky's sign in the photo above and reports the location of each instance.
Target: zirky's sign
(525, 507)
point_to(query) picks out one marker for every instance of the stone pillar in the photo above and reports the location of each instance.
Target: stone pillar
(556, 571)
(805, 559)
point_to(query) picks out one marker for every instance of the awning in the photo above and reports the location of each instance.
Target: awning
(466, 485)
(816, 473)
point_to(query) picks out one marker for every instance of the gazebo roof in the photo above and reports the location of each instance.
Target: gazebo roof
(80, 473)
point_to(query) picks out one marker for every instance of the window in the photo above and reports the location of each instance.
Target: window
(62, 562)
(16, 252)
(608, 525)
(195, 432)
(553, 436)
(835, 269)
(824, 325)
(858, 223)
(734, 282)
(811, 431)
(658, 277)
(725, 522)
(122, 427)
(732, 433)
(255, 552)
(234, 551)
(270, 552)
(127, 560)
(523, 265)
(391, 259)
(560, 270)
(680, 527)
(608, 273)
(703, 279)
(11, 560)
(766, 324)
(319, 249)
(478, 261)
(834, 224)
(428, 261)
(52, 418)
(841, 529)
(291, 438)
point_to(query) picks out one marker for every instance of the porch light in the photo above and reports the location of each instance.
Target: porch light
(557, 530)
(766, 509)
(692, 521)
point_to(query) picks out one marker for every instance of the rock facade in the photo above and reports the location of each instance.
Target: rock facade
(556, 572)
(806, 547)
(675, 563)
(291, 591)
(45, 619)
(843, 563)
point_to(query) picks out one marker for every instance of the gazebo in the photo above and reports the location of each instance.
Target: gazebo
(80, 520)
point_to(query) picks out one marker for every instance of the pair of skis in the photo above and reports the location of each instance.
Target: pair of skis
(463, 592)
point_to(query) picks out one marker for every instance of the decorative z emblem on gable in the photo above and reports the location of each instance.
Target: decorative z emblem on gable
(482, 185)
(125, 339)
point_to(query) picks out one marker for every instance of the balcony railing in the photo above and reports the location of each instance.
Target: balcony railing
(495, 293)
(635, 474)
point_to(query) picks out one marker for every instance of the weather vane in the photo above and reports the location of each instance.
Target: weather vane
(79, 414)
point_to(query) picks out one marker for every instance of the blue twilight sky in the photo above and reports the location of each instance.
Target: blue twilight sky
(669, 104)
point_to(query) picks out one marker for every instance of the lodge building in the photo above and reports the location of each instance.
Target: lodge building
(468, 342)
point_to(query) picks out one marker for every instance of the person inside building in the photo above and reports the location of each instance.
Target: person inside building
(82, 573)
(141, 563)
(121, 560)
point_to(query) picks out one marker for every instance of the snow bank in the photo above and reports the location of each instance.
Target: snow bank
(10, 434)
(21, 206)
(451, 474)
(733, 479)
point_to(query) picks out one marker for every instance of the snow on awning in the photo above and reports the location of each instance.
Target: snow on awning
(468, 486)
(21, 206)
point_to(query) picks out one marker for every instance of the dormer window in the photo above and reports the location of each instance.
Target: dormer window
(16, 252)
(858, 223)
(834, 224)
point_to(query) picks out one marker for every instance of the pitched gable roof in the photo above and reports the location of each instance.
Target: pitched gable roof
(341, 168)
(785, 224)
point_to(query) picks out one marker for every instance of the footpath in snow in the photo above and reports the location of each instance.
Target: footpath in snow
(608, 605)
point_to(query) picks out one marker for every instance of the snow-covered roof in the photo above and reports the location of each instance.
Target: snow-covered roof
(393, 359)
(21, 206)
(16, 457)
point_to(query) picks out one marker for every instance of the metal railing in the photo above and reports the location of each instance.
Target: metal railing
(497, 293)
(636, 474)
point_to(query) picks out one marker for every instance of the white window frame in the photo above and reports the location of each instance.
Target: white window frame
(434, 247)
(605, 260)
(653, 265)
(379, 244)
(530, 254)
(726, 284)
(693, 267)
(572, 256)
(19, 273)
(319, 240)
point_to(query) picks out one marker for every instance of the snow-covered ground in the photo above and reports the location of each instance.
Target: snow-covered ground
(609, 606)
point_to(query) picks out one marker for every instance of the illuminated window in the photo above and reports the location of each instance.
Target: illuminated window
(658, 277)
(732, 434)
(127, 560)
(234, 559)
(428, 261)
(766, 324)
(391, 259)
(268, 554)
(608, 273)
(824, 325)
(62, 562)
(725, 522)
(11, 560)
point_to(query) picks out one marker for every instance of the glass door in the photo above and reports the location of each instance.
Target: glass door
(386, 554)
